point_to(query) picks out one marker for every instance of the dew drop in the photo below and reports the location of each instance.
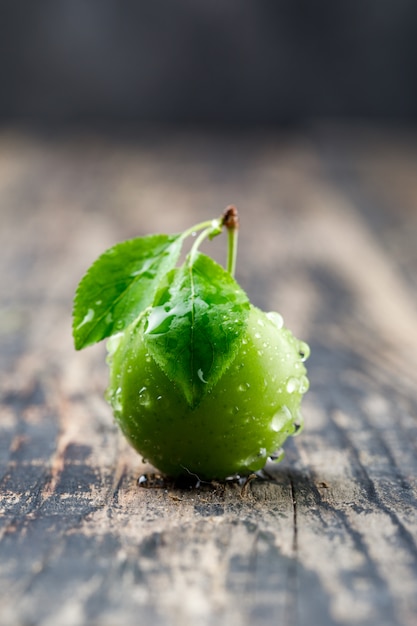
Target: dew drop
(87, 318)
(304, 384)
(144, 397)
(298, 424)
(303, 350)
(277, 456)
(254, 459)
(244, 387)
(113, 343)
(116, 400)
(292, 385)
(156, 318)
(257, 335)
(281, 419)
(276, 319)
(260, 323)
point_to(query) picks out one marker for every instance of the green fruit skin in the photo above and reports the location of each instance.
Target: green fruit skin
(245, 417)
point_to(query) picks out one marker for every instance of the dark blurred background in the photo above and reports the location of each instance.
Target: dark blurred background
(234, 62)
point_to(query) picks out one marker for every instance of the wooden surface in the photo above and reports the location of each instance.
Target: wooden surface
(328, 238)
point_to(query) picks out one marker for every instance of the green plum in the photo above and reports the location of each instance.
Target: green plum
(201, 381)
(239, 423)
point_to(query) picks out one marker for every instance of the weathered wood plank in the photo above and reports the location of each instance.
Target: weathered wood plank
(332, 538)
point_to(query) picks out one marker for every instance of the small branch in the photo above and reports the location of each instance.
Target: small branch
(203, 235)
(197, 227)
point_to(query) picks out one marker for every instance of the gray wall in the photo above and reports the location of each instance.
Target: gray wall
(209, 61)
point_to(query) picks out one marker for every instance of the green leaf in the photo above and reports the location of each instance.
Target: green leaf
(120, 284)
(195, 327)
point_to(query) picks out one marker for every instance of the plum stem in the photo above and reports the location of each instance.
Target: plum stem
(231, 221)
(211, 229)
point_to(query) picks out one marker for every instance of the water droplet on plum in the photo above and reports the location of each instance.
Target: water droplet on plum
(303, 384)
(277, 456)
(276, 319)
(113, 343)
(144, 397)
(292, 384)
(116, 400)
(303, 350)
(281, 419)
(253, 459)
(298, 423)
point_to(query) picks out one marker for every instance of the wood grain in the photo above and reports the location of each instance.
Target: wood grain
(328, 232)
